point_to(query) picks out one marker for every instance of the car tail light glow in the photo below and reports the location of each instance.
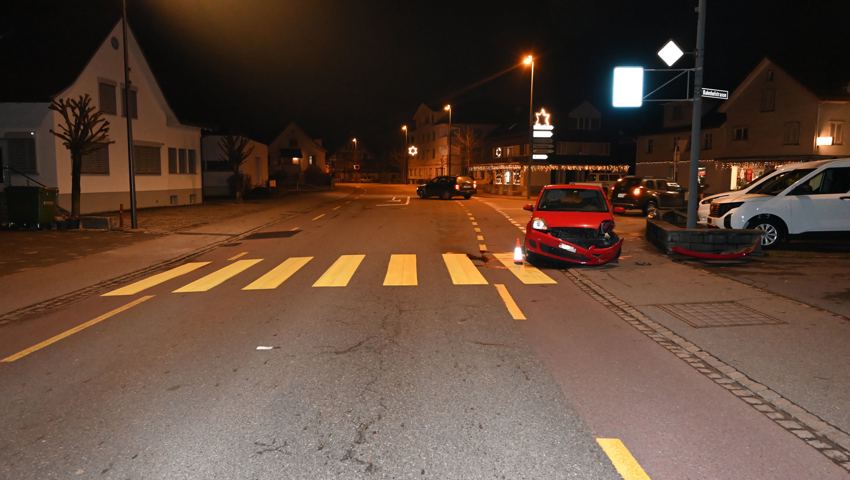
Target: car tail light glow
(457, 186)
(474, 184)
(636, 191)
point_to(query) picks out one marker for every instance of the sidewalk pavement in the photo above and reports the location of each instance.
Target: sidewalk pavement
(41, 266)
(796, 355)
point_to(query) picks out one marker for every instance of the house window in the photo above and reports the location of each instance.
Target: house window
(132, 100)
(650, 143)
(20, 150)
(836, 131)
(708, 141)
(106, 92)
(770, 75)
(172, 199)
(311, 160)
(146, 160)
(96, 162)
(296, 161)
(182, 163)
(742, 134)
(172, 160)
(193, 161)
(791, 134)
(768, 99)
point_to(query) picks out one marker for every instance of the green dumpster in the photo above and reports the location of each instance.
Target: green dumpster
(31, 205)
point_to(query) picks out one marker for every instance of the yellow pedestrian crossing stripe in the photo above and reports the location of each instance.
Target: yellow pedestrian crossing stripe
(340, 272)
(218, 277)
(462, 270)
(526, 274)
(401, 271)
(155, 280)
(279, 274)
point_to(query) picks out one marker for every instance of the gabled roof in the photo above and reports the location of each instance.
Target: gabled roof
(294, 126)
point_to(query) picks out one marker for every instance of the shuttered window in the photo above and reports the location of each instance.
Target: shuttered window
(96, 162)
(181, 155)
(21, 154)
(106, 92)
(146, 160)
(193, 162)
(172, 160)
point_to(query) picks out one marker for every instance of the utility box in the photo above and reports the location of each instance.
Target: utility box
(34, 206)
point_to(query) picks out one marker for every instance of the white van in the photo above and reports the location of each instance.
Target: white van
(811, 199)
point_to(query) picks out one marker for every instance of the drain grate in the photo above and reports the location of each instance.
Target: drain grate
(279, 234)
(718, 314)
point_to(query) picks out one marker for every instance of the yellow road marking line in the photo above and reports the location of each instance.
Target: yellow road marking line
(78, 328)
(340, 272)
(238, 256)
(337, 207)
(482, 247)
(477, 230)
(318, 217)
(279, 274)
(480, 238)
(154, 280)
(527, 274)
(474, 224)
(401, 271)
(622, 459)
(218, 277)
(462, 270)
(510, 304)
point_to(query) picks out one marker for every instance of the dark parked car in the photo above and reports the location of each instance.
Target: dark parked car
(646, 194)
(446, 187)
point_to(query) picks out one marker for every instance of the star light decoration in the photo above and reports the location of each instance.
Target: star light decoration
(544, 115)
(412, 151)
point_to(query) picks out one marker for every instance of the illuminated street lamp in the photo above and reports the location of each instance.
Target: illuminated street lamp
(448, 108)
(529, 61)
(404, 129)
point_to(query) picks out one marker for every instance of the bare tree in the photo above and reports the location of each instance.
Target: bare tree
(469, 142)
(236, 150)
(83, 130)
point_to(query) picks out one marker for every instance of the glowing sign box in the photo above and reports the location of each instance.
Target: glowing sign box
(628, 87)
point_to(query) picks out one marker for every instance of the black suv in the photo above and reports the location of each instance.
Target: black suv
(447, 187)
(646, 194)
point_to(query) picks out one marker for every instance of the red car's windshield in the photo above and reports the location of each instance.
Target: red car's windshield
(572, 200)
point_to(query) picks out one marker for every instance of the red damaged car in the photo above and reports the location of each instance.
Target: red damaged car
(572, 223)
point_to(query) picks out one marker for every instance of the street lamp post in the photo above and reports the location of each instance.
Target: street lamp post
(134, 223)
(354, 164)
(529, 60)
(404, 153)
(448, 108)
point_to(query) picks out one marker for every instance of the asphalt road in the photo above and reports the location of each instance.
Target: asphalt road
(333, 374)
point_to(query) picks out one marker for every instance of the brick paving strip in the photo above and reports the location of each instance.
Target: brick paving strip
(820, 435)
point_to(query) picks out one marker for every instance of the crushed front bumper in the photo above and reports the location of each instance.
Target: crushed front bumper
(545, 245)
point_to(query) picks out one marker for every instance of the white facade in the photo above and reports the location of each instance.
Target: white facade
(156, 133)
(217, 171)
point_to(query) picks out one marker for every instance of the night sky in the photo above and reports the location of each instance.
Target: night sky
(343, 68)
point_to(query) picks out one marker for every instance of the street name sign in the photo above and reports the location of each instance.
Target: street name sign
(715, 93)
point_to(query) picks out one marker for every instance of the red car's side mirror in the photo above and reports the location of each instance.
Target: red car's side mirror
(529, 207)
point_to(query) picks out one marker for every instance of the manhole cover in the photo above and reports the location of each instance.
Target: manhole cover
(281, 234)
(717, 314)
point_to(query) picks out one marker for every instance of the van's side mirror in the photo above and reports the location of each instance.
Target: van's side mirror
(529, 207)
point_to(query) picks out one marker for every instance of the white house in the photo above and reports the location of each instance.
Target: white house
(166, 152)
(292, 152)
(217, 171)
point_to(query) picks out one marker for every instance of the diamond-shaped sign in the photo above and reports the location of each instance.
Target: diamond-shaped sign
(670, 53)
